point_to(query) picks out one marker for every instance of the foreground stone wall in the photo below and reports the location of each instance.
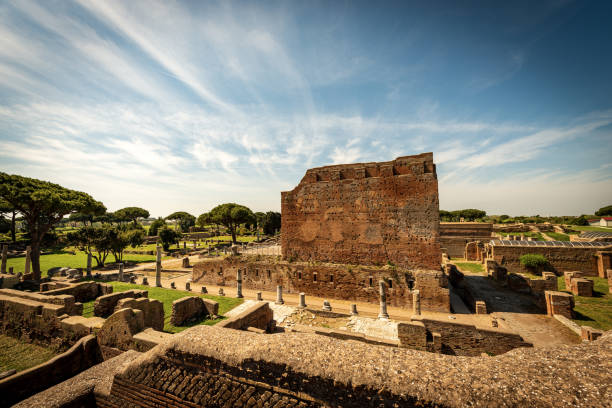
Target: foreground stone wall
(455, 235)
(203, 366)
(84, 354)
(561, 259)
(365, 213)
(348, 282)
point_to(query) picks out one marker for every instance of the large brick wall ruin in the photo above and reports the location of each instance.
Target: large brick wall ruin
(335, 281)
(365, 213)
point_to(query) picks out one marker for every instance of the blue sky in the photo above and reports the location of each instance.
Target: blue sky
(173, 105)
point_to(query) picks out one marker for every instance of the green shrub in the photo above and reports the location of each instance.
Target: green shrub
(533, 261)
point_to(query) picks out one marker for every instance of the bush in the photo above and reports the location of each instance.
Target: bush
(533, 261)
(156, 225)
(168, 237)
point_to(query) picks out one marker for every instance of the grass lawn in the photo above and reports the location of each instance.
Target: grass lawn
(557, 236)
(18, 355)
(593, 311)
(246, 238)
(74, 261)
(167, 296)
(590, 228)
(470, 267)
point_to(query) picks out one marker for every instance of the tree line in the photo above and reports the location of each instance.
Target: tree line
(43, 205)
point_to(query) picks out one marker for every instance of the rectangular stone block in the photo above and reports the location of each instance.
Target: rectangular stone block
(568, 278)
(588, 333)
(481, 307)
(582, 287)
(559, 303)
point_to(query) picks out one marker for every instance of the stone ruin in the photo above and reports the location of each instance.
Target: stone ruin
(365, 214)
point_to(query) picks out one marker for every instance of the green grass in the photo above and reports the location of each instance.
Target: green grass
(74, 261)
(167, 296)
(593, 311)
(18, 355)
(470, 267)
(557, 236)
(590, 228)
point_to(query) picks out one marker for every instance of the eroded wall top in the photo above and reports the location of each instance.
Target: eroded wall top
(365, 213)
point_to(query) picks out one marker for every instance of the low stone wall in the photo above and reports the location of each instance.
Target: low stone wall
(191, 308)
(84, 354)
(203, 366)
(105, 305)
(560, 258)
(259, 316)
(454, 236)
(82, 291)
(334, 281)
(456, 338)
(68, 302)
(8, 281)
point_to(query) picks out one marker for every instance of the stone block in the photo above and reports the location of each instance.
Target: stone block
(153, 310)
(588, 333)
(582, 287)
(609, 274)
(559, 303)
(481, 307)
(191, 308)
(568, 278)
(119, 329)
(105, 305)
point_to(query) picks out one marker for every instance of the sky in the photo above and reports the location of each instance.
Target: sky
(183, 105)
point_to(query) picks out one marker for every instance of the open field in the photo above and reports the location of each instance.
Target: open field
(593, 311)
(167, 296)
(73, 261)
(557, 236)
(19, 355)
(590, 228)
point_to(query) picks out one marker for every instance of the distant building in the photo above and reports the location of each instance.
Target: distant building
(605, 222)
(601, 222)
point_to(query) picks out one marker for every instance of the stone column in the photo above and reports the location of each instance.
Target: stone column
(259, 297)
(383, 301)
(27, 260)
(158, 268)
(4, 257)
(354, 310)
(121, 272)
(327, 306)
(89, 265)
(279, 295)
(184, 244)
(239, 283)
(194, 244)
(416, 302)
(302, 300)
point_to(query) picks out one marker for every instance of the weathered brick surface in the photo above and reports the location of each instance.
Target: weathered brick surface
(366, 213)
(335, 281)
(203, 366)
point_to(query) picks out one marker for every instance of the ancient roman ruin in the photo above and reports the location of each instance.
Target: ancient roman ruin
(365, 303)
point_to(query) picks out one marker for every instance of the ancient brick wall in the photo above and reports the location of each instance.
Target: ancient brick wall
(462, 339)
(455, 235)
(366, 213)
(348, 282)
(561, 259)
(209, 366)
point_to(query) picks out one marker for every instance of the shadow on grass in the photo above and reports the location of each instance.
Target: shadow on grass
(581, 317)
